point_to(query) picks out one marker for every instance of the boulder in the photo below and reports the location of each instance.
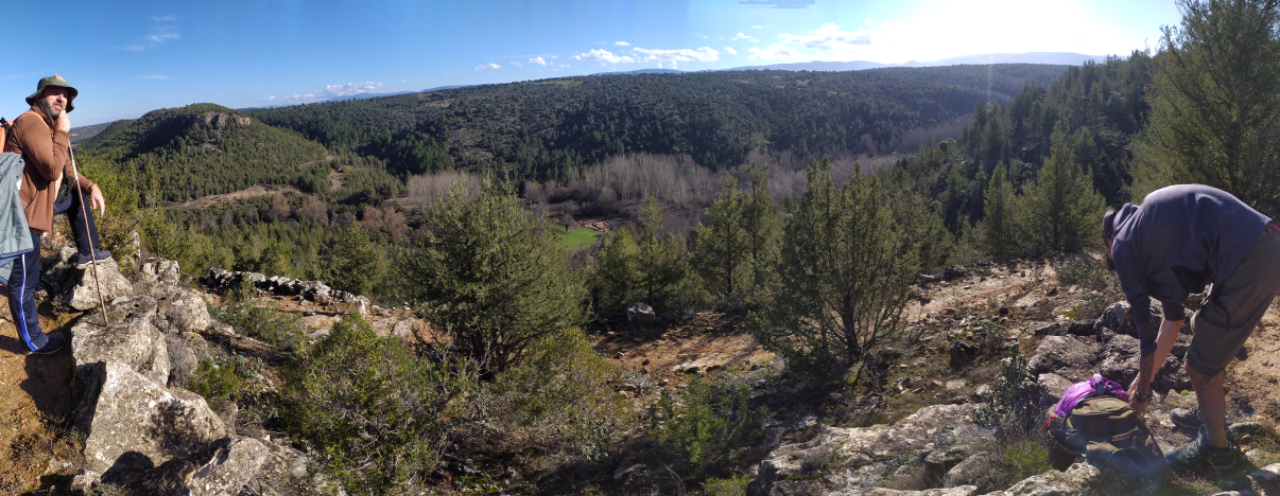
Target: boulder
(1123, 354)
(852, 459)
(226, 473)
(285, 472)
(880, 491)
(83, 294)
(182, 311)
(157, 278)
(186, 351)
(1119, 318)
(641, 313)
(1080, 479)
(1069, 356)
(130, 340)
(940, 461)
(1042, 329)
(970, 471)
(1052, 386)
(133, 423)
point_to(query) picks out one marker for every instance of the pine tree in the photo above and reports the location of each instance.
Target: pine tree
(723, 248)
(615, 271)
(1060, 210)
(1215, 103)
(662, 264)
(997, 233)
(763, 228)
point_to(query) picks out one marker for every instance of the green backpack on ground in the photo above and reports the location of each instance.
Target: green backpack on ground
(1105, 429)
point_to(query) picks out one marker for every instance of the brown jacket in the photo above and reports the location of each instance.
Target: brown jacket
(45, 151)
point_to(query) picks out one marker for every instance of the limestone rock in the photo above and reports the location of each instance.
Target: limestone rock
(157, 278)
(1078, 480)
(130, 340)
(880, 491)
(641, 313)
(182, 311)
(83, 295)
(1072, 353)
(228, 471)
(970, 471)
(1119, 318)
(186, 351)
(133, 423)
(284, 471)
(1123, 354)
(1052, 386)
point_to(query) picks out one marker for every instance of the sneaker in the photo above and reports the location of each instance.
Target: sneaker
(1186, 417)
(85, 258)
(1199, 455)
(54, 345)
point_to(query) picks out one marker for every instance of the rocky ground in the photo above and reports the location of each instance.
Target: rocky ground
(110, 411)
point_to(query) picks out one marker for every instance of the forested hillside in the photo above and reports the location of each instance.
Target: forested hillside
(547, 129)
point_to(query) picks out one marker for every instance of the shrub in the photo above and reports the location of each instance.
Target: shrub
(376, 414)
(1012, 404)
(260, 319)
(223, 378)
(557, 402)
(716, 417)
(733, 486)
(493, 274)
(1026, 458)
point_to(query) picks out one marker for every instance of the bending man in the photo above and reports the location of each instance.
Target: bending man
(41, 136)
(1178, 241)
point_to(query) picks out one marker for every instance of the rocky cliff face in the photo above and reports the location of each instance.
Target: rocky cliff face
(220, 120)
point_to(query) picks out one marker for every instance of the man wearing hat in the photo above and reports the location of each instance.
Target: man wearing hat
(41, 136)
(1179, 240)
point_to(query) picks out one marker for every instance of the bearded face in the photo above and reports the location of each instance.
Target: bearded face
(53, 101)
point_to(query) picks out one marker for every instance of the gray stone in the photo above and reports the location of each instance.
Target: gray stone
(284, 472)
(641, 313)
(228, 471)
(157, 278)
(1078, 480)
(182, 311)
(880, 491)
(186, 351)
(941, 461)
(83, 293)
(1042, 329)
(1123, 356)
(1118, 318)
(1072, 353)
(1052, 386)
(973, 470)
(130, 340)
(133, 422)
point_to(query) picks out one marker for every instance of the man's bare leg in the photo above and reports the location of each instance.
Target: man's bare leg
(1213, 405)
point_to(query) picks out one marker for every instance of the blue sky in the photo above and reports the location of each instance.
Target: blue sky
(127, 58)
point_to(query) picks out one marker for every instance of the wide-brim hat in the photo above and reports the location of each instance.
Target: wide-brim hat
(54, 80)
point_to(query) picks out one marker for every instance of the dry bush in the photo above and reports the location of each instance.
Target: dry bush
(426, 189)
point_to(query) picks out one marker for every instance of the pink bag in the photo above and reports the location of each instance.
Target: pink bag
(1095, 386)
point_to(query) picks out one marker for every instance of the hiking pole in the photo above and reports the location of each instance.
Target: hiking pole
(88, 233)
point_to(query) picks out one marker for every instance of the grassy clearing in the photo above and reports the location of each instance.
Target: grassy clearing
(579, 237)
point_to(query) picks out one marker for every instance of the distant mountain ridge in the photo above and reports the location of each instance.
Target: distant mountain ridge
(1050, 58)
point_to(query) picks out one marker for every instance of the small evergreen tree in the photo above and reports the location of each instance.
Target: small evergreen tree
(493, 274)
(1062, 206)
(845, 275)
(763, 229)
(997, 233)
(723, 248)
(353, 263)
(615, 271)
(662, 263)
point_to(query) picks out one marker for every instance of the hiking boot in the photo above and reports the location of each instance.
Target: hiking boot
(86, 259)
(1200, 455)
(54, 345)
(1186, 417)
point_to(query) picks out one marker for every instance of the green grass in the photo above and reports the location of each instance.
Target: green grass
(579, 237)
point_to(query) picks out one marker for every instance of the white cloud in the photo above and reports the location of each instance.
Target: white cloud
(153, 77)
(730, 51)
(743, 36)
(517, 64)
(869, 22)
(168, 18)
(485, 67)
(778, 52)
(408, 81)
(563, 65)
(622, 43)
(162, 37)
(331, 91)
(829, 38)
(758, 27)
(605, 57)
(704, 54)
(539, 61)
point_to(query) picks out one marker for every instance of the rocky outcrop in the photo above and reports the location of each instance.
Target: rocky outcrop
(131, 340)
(1118, 318)
(132, 423)
(839, 459)
(641, 313)
(315, 291)
(1069, 356)
(1079, 480)
(1121, 365)
(182, 311)
(220, 120)
(83, 294)
(227, 471)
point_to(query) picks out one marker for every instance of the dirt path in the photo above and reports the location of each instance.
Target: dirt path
(35, 406)
(244, 194)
